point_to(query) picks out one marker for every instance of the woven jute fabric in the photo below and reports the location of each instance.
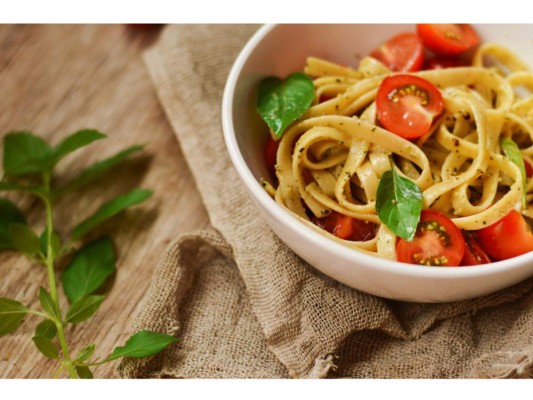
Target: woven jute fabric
(245, 306)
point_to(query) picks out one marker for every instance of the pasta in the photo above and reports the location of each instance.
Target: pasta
(333, 157)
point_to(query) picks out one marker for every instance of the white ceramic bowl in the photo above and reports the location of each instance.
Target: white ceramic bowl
(281, 49)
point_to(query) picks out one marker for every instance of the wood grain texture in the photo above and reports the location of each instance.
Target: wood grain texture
(55, 80)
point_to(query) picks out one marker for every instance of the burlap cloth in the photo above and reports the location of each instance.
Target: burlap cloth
(245, 306)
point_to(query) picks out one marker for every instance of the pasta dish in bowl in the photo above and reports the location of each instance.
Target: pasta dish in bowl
(417, 153)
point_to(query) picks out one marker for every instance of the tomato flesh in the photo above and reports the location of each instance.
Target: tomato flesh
(402, 53)
(325, 97)
(271, 151)
(447, 39)
(507, 238)
(407, 105)
(437, 242)
(474, 254)
(529, 168)
(441, 62)
(345, 227)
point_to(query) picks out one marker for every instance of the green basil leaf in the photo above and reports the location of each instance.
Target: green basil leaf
(9, 214)
(76, 141)
(84, 372)
(84, 308)
(98, 169)
(48, 303)
(47, 329)
(24, 239)
(85, 353)
(399, 204)
(11, 315)
(56, 243)
(46, 346)
(143, 344)
(110, 209)
(513, 153)
(26, 154)
(280, 103)
(89, 269)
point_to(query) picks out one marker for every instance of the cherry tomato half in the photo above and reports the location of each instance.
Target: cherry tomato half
(474, 254)
(403, 53)
(447, 39)
(406, 105)
(345, 227)
(509, 237)
(437, 242)
(271, 151)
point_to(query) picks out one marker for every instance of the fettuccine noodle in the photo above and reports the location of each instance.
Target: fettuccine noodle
(333, 157)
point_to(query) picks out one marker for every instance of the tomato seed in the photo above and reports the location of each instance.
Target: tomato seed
(409, 90)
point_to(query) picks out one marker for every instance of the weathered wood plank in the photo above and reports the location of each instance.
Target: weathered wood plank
(55, 80)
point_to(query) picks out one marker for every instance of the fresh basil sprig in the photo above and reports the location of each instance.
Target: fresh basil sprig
(281, 102)
(91, 266)
(512, 151)
(399, 204)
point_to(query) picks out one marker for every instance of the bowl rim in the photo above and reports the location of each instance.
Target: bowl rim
(284, 217)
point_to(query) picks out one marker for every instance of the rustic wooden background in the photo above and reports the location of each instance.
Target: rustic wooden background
(55, 80)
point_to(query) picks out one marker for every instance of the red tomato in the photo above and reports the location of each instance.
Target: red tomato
(346, 228)
(406, 105)
(509, 237)
(529, 168)
(474, 254)
(271, 151)
(325, 97)
(403, 53)
(444, 62)
(437, 242)
(447, 39)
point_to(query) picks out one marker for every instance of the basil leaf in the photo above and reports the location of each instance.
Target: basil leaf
(84, 309)
(89, 269)
(48, 303)
(11, 315)
(513, 153)
(75, 142)
(399, 204)
(84, 372)
(86, 352)
(24, 239)
(110, 209)
(280, 103)
(9, 214)
(56, 243)
(46, 346)
(26, 154)
(98, 169)
(47, 329)
(143, 344)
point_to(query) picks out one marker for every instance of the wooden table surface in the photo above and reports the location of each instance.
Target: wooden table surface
(55, 80)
